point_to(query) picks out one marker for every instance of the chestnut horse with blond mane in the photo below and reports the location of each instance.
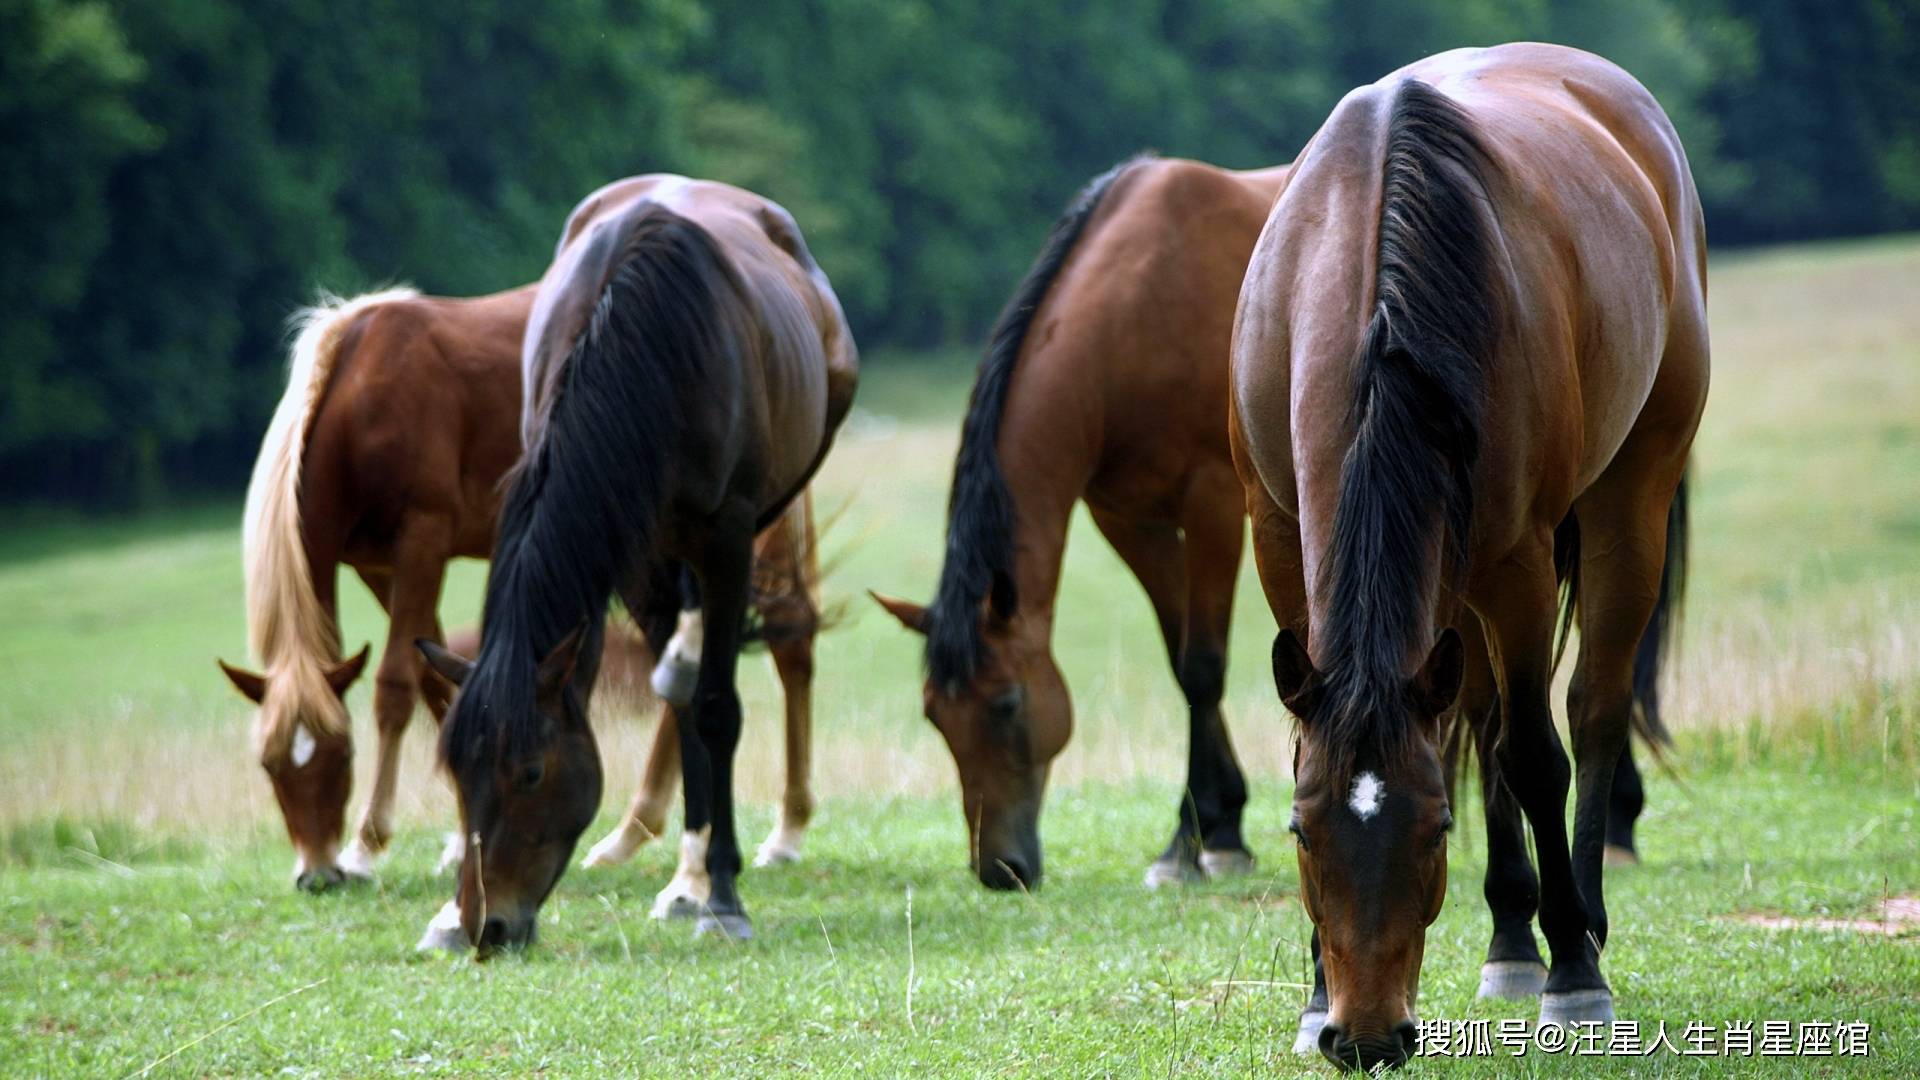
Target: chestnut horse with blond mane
(349, 474)
(1469, 361)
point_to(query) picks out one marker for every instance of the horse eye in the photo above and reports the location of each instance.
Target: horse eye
(531, 775)
(1440, 838)
(1298, 836)
(1007, 705)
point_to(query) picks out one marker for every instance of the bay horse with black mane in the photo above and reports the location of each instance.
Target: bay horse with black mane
(1106, 381)
(1469, 361)
(347, 474)
(686, 367)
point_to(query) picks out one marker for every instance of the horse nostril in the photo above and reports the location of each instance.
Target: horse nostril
(1334, 1046)
(493, 932)
(1409, 1034)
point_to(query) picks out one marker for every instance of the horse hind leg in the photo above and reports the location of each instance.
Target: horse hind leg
(793, 662)
(411, 596)
(646, 816)
(1212, 539)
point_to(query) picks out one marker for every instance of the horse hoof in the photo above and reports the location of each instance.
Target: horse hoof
(1620, 855)
(734, 927)
(774, 853)
(676, 907)
(1307, 1041)
(617, 848)
(1576, 1007)
(359, 860)
(1225, 864)
(1513, 980)
(443, 933)
(1173, 871)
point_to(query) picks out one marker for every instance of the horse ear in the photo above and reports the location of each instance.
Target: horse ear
(1294, 674)
(254, 687)
(911, 615)
(450, 667)
(559, 664)
(1438, 683)
(341, 675)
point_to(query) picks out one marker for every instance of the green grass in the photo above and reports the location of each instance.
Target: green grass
(143, 893)
(107, 967)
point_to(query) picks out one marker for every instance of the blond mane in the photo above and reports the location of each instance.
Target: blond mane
(288, 631)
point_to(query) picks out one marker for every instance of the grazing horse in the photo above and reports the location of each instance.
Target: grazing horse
(347, 474)
(1469, 359)
(1105, 381)
(1129, 305)
(686, 366)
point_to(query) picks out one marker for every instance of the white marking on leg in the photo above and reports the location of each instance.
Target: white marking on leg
(443, 931)
(782, 845)
(452, 852)
(303, 745)
(1367, 792)
(687, 893)
(358, 860)
(678, 671)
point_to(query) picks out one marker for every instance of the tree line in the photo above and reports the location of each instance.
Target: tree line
(177, 175)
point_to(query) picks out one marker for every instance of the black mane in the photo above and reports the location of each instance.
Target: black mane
(979, 559)
(582, 507)
(1406, 488)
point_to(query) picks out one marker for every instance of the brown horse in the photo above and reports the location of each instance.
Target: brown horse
(686, 367)
(347, 474)
(1106, 381)
(1469, 361)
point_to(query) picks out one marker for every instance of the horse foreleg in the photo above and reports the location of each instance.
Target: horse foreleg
(708, 744)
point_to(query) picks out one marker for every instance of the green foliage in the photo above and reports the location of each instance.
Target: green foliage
(180, 174)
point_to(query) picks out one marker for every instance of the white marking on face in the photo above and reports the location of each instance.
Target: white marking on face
(1365, 799)
(302, 746)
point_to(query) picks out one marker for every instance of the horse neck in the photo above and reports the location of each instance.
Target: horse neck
(1047, 467)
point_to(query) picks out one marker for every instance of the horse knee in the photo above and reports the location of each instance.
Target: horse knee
(1203, 676)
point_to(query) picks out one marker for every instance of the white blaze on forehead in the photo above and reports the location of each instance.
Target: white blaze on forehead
(1365, 799)
(302, 746)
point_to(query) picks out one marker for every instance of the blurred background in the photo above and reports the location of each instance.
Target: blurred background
(180, 174)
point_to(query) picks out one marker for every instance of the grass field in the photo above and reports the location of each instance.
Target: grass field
(145, 909)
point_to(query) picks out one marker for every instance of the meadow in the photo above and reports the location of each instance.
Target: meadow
(147, 921)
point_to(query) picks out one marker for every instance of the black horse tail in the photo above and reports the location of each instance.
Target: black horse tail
(609, 422)
(979, 556)
(1663, 629)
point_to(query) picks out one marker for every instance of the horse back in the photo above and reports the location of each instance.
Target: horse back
(419, 419)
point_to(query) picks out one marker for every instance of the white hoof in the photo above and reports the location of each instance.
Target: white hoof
(1224, 864)
(451, 853)
(686, 895)
(779, 849)
(618, 847)
(1307, 1039)
(444, 933)
(1512, 980)
(359, 860)
(1576, 1007)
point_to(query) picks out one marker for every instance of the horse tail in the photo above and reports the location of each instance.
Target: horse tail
(1663, 629)
(979, 553)
(285, 621)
